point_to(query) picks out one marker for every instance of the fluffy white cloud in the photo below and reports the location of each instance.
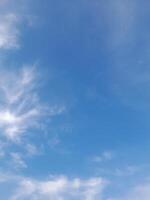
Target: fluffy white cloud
(60, 188)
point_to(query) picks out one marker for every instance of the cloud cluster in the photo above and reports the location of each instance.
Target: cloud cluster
(55, 188)
(65, 188)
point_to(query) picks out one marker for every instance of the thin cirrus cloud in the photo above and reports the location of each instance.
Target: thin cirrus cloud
(9, 32)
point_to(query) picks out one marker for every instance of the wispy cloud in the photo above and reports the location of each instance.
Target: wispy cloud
(32, 150)
(9, 32)
(20, 105)
(18, 102)
(16, 161)
(121, 18)
(104, 156)
(128, 170)
(12, 15)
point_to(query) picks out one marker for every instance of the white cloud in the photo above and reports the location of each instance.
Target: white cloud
(65, 188)
(53, 188)
(20, 105)
(61, 188)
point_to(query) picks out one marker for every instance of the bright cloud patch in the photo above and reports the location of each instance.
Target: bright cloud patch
(20, 107)
(58, 188)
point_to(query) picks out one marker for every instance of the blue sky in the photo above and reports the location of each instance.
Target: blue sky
(74, 100)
